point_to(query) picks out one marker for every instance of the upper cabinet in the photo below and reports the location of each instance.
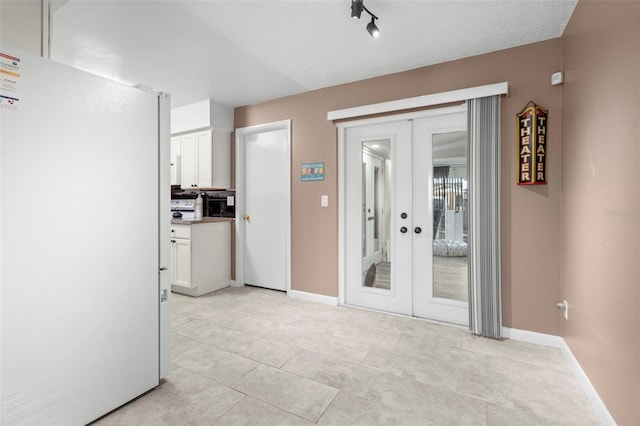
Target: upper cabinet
(176, 162)
(201, 159)
(221, 161)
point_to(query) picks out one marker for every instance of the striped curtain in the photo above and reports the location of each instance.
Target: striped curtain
(483, 144)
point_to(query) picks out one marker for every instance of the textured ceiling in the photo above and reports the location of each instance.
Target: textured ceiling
(244, 52)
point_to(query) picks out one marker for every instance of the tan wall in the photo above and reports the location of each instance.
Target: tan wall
(601, 238)
(531, 216)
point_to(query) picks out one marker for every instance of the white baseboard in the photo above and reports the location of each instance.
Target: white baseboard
(559, 342)
(533, 337)
(234, 283)
(592, 394)
(312, 297)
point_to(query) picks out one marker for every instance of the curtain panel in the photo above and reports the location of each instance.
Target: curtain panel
(483, 144)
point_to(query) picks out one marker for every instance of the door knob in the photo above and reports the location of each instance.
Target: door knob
(403, 229)
(403, 215)
(246, 217)
(417, 230)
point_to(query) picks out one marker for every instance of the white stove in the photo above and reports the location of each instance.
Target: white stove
(183, 209)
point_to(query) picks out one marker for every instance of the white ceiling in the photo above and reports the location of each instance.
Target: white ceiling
(241, 52)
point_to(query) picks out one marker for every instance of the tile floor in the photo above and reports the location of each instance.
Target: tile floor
(249, 356)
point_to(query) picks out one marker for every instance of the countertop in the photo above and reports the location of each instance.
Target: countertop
(202, 220)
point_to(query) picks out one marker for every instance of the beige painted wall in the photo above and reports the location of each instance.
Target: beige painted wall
(531, 216)
(601, 237)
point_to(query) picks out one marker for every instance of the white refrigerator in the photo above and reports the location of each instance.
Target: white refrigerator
(84, 229)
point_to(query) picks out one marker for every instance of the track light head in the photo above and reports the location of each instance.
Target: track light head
(356, 8)
(372, 28)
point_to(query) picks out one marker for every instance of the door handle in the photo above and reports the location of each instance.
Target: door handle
(417, 230)
(403, 229)
(246, 217)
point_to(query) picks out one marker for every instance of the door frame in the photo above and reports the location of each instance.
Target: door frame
(342, 172)
(240, 134)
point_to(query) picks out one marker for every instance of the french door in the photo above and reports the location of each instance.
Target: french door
(405, 184)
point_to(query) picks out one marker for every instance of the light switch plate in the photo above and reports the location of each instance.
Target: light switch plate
(324, 201)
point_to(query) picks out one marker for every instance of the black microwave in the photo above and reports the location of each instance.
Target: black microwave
(220, 204)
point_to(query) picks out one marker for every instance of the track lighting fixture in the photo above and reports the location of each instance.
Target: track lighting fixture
(372, 28)
(357, 6)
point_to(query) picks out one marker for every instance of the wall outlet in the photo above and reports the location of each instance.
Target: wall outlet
(565, 313)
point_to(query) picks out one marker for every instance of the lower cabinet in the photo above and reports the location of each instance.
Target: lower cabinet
(200, 257)
(181, 262)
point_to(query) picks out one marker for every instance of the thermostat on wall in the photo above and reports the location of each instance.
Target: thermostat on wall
(556, 78)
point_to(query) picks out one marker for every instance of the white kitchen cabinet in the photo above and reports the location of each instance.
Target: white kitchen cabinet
(176, 159)
(204, 159)
(189, 159)
(221, 159)
(181, 262)
(200, 257)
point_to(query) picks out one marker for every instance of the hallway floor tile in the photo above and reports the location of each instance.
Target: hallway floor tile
(250, 356)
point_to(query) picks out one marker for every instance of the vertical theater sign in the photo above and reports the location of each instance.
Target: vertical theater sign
(532, 145)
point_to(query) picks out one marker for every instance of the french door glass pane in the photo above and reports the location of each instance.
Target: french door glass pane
(376, 259)
(364, 210)
(450, 216)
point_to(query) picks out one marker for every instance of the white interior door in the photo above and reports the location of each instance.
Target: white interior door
(385, 283)
(440, 277)
(264, 207)
(407, 278)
